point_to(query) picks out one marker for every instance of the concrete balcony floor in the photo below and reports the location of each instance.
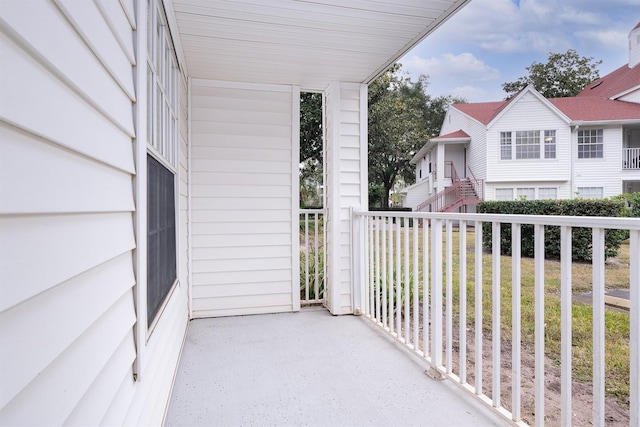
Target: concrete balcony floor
(309, 368)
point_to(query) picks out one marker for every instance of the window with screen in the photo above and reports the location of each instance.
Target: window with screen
(162, 161)
(161, 235)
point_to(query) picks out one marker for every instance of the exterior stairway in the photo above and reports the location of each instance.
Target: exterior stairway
(462, 192)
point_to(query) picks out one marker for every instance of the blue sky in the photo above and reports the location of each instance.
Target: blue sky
(490, 42)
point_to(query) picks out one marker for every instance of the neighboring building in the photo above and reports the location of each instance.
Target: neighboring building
(149, 157)
(530, 147)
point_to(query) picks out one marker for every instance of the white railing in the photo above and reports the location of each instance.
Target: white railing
(405, 263)
(631, 158)
(312, 256)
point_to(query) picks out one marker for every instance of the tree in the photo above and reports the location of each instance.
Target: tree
(402, 118)
(564, 74)
(310, 148)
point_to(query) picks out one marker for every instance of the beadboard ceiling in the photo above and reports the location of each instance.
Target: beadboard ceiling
(303, 42)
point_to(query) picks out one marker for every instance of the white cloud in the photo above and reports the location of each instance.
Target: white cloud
(449, 66)
(607, 39)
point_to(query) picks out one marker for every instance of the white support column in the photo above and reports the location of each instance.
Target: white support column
(346, 186)
(440, 167)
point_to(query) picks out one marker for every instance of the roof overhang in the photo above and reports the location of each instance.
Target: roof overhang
(436, 141)
(307, 43)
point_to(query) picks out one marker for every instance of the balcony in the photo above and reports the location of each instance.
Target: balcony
(502, 333)
(631, 158)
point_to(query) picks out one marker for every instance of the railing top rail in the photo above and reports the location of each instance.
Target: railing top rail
(311, 211)
(573, 221)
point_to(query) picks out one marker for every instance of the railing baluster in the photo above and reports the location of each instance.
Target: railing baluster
(390, 276)
(393, 263)
(495, 315)
(372, 272)
(539, 322)
(407, 283)
(306, 256)
(462, 327)
(516, 254)
(398, 272)
(378, 277)
(449, 297)
(425, 287)
(436, 294)
(634, 333)
(565, 322)
(316, 285)
(383, 245)
(478, 308)
(598, 327)
(416, 296)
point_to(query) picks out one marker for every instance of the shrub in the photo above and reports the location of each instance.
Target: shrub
(581, 237)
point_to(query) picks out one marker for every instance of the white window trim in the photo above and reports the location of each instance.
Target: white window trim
(514, 147)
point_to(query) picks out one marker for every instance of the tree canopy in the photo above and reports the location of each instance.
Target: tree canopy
(402, 118)
(310, 148)
(563, 75)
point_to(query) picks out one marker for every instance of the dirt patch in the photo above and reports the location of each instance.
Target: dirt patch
(582, 392)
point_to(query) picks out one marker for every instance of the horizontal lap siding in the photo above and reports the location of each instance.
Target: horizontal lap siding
(604, 172)
(66, 222)
(66, 273)
(529, 113)
(477, 149)
(344, 187)
(241, 199)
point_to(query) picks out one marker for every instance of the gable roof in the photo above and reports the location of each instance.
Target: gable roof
(614, 84)
(585, 108)
(483, 112)
(592, 109)
(459, 134)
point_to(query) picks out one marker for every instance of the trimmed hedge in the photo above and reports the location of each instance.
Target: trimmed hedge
(581, 237)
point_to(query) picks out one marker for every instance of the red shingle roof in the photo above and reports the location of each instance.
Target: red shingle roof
(483, 112)
(576, 108)
(453, 135)
(614, 83)
(596, 109)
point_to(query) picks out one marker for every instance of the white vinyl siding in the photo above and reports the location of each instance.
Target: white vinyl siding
(66, 221)
(241, 200)
(346, 182)
(528, 114)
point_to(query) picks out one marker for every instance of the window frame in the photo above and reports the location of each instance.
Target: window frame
(550, 189)
(589, 190)
(523, 193)
(506, 146)
(527, 144)
(549, 143)
(507, 192)
(162, 144)
(588, 149)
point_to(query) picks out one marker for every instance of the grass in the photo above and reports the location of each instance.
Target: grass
(616, 322)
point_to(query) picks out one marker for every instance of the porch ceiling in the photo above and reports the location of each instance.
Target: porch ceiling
(303, 42)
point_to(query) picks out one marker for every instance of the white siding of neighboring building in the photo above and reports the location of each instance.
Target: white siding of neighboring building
(529, 113)
(605, 172)
(476, 152)
(67, 280)
(631, 97)
(244, 225)
(418, 193)
(346, 183)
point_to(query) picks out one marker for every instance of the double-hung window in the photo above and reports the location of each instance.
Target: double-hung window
(549, 144)
(505, 145)
(590, 144)
(528, 144)
(162, 155)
